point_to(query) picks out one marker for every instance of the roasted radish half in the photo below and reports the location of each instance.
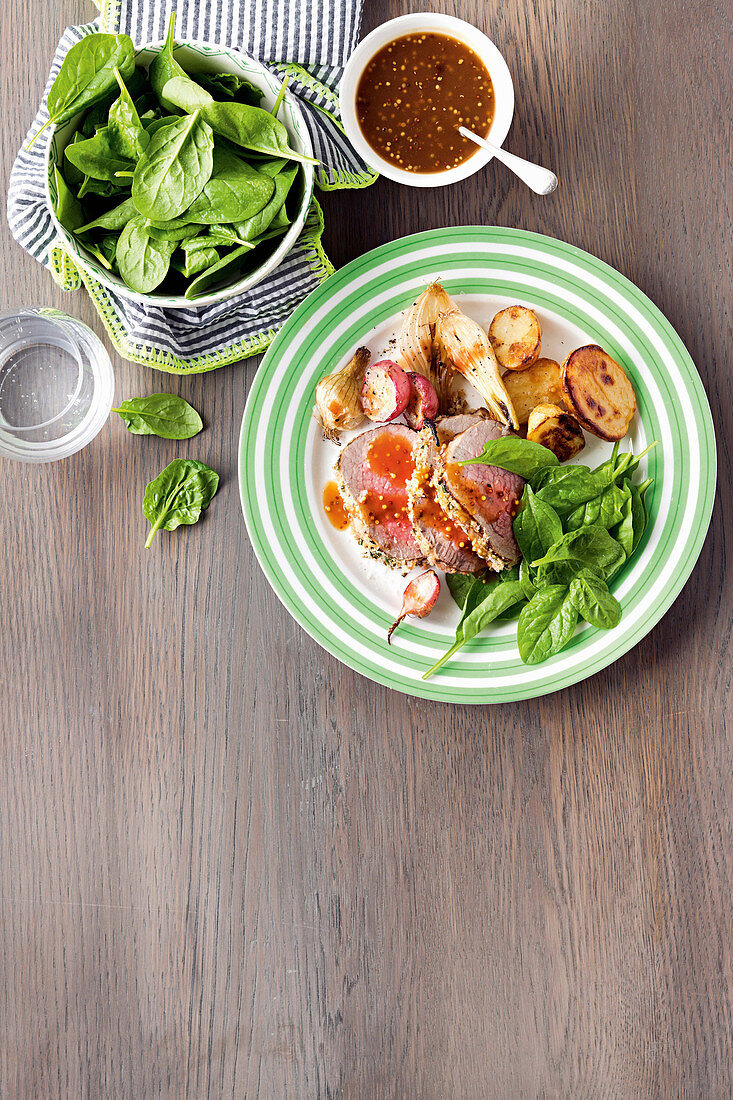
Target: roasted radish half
(538, 385)
(516, 337)
(557, 430)
(385, 392)
(423, 403)
(418, 600)
(598, 392)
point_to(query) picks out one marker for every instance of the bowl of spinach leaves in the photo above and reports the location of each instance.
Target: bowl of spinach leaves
(180, 173)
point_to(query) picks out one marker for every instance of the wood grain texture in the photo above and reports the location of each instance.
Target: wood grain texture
(230, 867)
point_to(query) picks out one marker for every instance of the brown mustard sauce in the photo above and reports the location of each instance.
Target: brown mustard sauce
(391, 458)
(432, 515)
(413, 96)
(490, 503)
(334, 507)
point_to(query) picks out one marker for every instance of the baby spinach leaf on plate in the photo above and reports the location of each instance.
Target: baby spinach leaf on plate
(162, 414)
(87, 75)
(178, 495)
(459, 585)
(537, 526)
(499, 598)
(173, 169)
(590, 546)
(143, 262)
(590, 596)
(546, 624)
(517, 455)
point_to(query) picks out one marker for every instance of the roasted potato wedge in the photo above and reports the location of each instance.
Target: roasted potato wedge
(598, 392)
(539, 384)
(557, 430)
(515, 336)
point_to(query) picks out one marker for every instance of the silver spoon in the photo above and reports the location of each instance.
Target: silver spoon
(541, 180)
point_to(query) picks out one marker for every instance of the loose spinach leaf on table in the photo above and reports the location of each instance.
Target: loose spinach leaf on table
(173, 169)
(162, 414)
(518, 456)
(87, 74)
(546, 624)
(143, 262)
(178, 495)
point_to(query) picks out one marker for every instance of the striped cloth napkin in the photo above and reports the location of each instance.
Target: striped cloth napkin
(307, 40)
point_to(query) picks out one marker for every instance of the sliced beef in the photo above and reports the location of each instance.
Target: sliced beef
(448, 427)
(480, 499)
(372, 472)
(445, 545)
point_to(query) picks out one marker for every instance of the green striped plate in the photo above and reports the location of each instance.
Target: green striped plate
(347, 603)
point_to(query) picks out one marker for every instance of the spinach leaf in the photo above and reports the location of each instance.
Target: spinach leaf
(234, 192)
(173, 169)
(162, 414)
(230, 86)
(623, 532)
(638, 510)
(117, 218)
(127, 137)
(590, 596)
(606, 509)
(143, 262)
(250, 127)
(194, 262)
(575, 488)
(525, 579)
(96, 158)
(87, 75)
(498, 599)
(184, 94)
(546, 624)
(68, 208)
(537, 526)
(517, 455)
(72, 175)
(173, 231)
(226, 266)
(254, 227)
(178, 495)
(590, 546)
(164, 68)
(459, 585)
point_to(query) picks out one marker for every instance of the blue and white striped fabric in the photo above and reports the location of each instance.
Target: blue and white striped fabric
(317, 35)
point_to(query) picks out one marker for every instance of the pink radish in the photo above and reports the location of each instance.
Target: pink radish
(419, 598)
(385, 392)
(423, 403)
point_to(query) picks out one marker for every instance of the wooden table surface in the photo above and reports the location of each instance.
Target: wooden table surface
(231, 867)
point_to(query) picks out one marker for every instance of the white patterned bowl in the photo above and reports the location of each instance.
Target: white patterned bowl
(197, 57)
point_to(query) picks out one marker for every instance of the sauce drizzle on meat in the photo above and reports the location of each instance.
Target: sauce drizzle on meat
(415, 93)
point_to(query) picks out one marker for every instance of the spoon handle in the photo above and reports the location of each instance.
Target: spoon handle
(541, 180)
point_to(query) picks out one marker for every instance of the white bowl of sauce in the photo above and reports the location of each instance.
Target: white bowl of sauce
(408, 87)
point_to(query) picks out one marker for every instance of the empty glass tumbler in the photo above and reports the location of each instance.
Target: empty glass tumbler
(56, 385)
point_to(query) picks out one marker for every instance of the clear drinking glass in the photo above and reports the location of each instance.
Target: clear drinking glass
(56, 385)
